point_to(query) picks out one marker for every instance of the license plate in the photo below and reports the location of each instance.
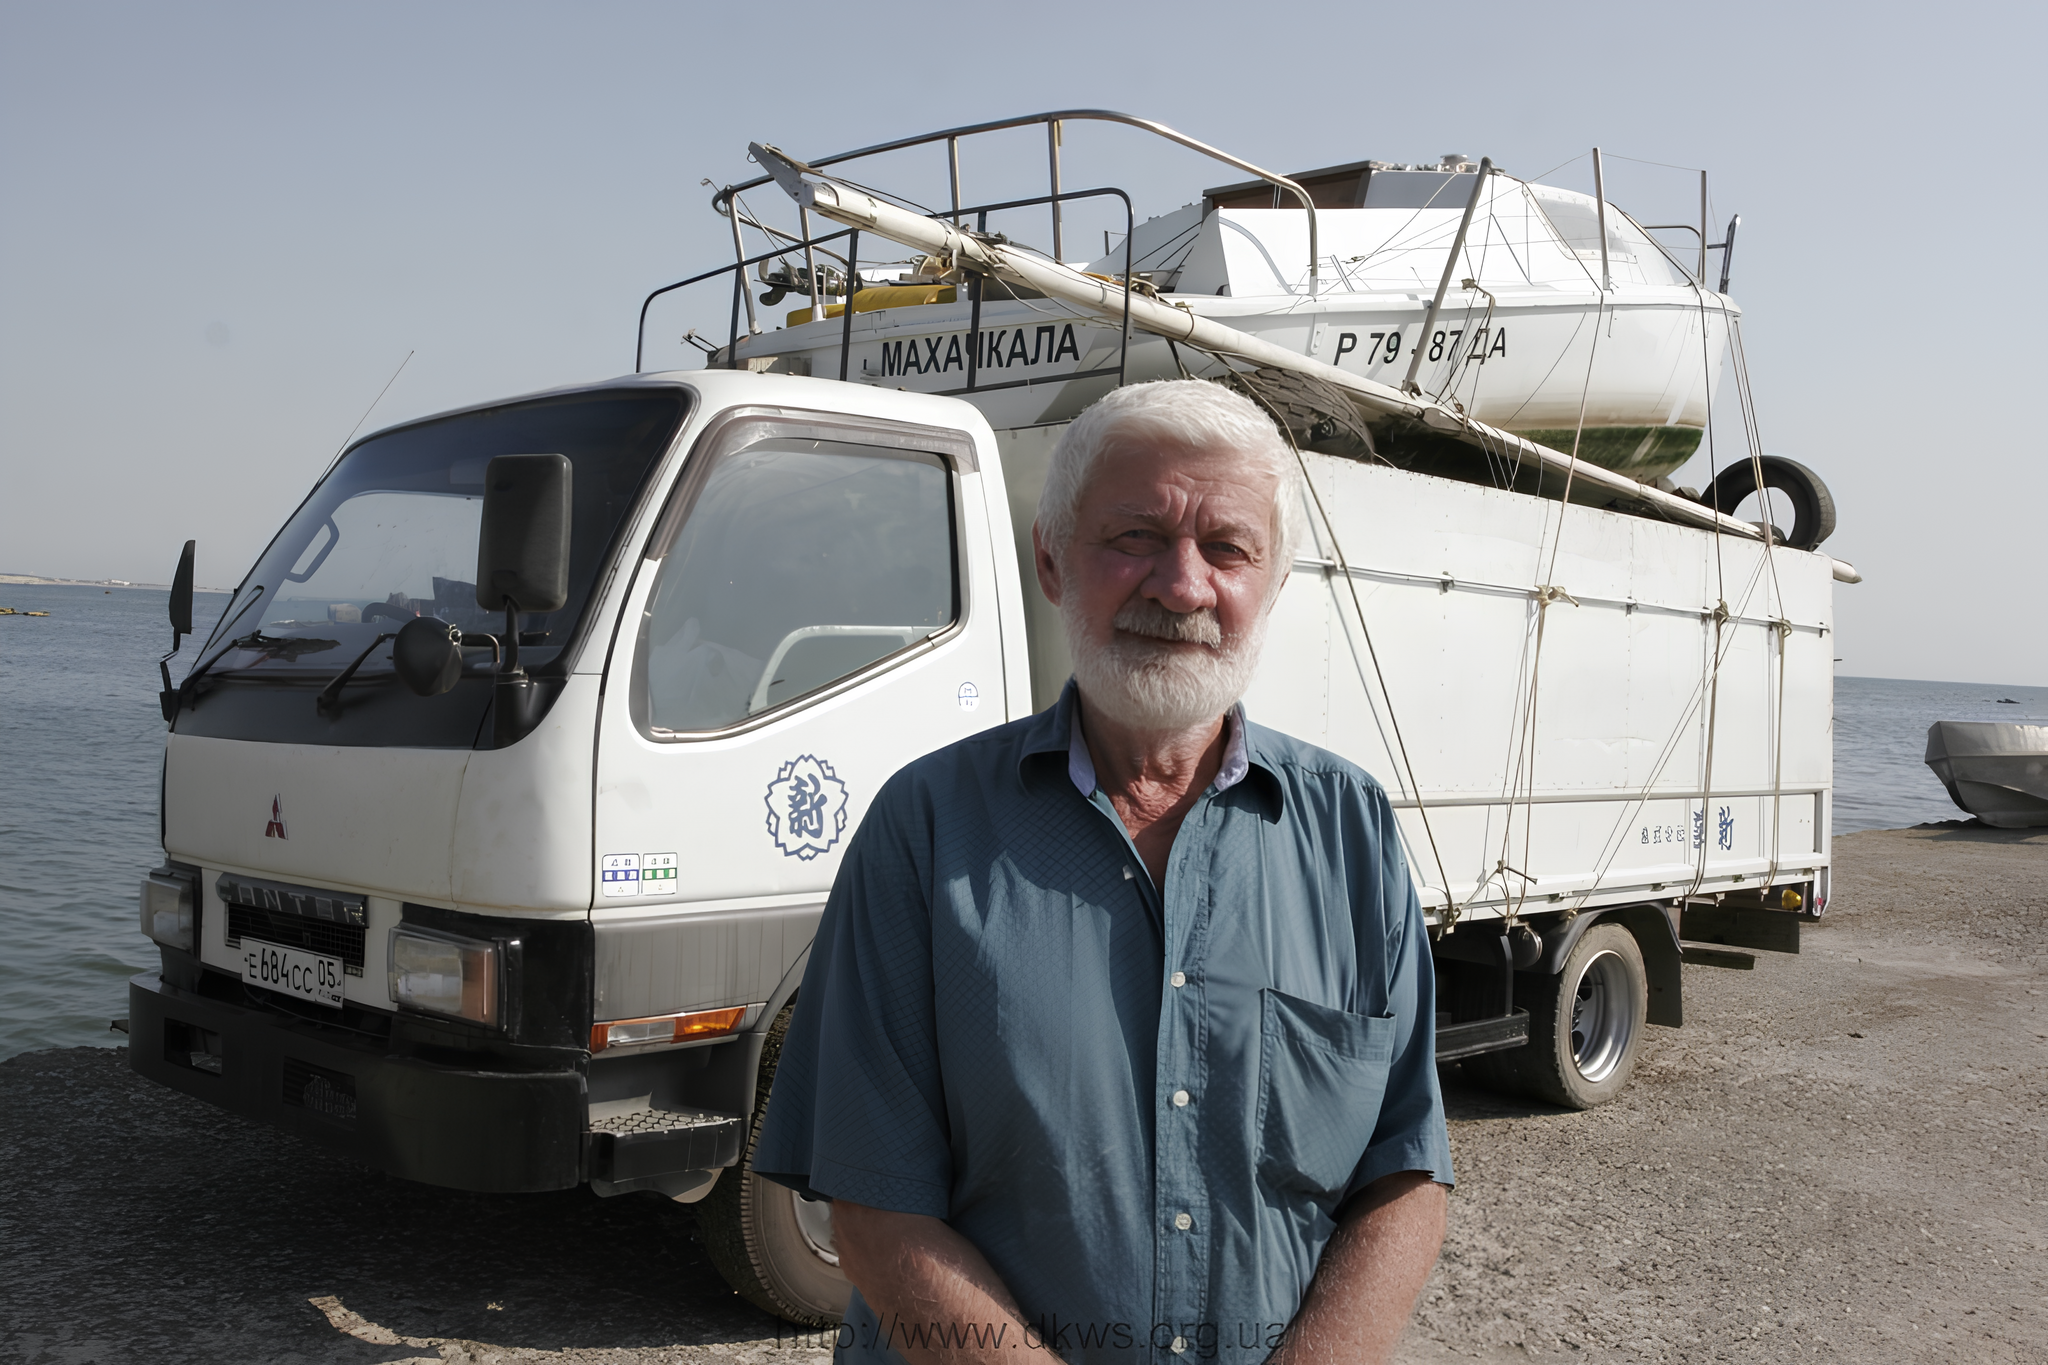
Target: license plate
(291, 971)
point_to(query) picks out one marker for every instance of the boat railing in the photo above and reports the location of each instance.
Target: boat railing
(722, 201)
(975, 284)
(1726, 246)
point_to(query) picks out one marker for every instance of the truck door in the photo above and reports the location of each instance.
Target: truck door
(818, 605)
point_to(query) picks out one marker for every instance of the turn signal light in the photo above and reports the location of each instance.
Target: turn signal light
(667, 1028)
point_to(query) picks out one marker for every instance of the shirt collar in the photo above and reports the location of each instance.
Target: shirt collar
(1081, 765)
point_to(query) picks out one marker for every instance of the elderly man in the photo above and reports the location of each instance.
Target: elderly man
(1116, 1042)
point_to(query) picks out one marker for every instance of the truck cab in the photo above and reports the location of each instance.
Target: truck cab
(523, 956)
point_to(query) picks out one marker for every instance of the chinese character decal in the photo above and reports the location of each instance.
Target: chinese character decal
(806, 808)
(1725, 834)
(1699, 828)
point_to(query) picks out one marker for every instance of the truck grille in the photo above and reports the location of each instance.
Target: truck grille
(330, 923)
(344, 941)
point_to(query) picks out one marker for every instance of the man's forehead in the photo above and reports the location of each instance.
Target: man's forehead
(1156, 470)
(1211, 512)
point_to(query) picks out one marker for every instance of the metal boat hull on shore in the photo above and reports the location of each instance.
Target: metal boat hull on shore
(1996, 771)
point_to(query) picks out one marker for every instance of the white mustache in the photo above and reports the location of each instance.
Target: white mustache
(1143, 616)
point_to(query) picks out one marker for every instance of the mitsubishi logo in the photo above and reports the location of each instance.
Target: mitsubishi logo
(275, 829)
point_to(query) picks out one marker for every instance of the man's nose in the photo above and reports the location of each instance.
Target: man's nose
(1180, 578)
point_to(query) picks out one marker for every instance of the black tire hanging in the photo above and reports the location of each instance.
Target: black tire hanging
(1813, 508)
(771, 1244)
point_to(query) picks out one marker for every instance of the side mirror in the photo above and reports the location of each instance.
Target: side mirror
(181, 595)
(522, 554)
(181, 626)
(428, 655)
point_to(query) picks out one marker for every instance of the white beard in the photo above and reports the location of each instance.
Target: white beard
(1138, 680)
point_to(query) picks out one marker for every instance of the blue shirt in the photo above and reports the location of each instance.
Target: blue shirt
(1144, 1105)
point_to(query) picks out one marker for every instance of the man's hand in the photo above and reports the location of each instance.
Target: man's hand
(939, 1300)
(1365, 1286)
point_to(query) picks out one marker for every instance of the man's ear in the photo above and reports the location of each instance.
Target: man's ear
(1048, 565)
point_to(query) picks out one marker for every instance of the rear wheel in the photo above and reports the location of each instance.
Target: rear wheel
(1585, 1025)
(773, 1245)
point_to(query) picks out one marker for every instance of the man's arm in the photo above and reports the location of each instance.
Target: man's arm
(938, 1299)
(1370, 1274)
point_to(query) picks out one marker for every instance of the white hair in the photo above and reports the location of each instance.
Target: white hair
(1192, 413)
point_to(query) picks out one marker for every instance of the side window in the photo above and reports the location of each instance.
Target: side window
(801, 562)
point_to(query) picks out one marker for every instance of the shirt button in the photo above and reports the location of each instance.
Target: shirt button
(1179, 1345)
(1179, 979)
(1180, 1099)
(1183, 1221)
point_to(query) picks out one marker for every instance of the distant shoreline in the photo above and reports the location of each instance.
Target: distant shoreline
(29, 580)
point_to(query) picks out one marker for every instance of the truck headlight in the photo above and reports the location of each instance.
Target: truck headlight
(444, 974)
(167, 909)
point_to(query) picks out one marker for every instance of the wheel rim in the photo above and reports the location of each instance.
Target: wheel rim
(1603, 1020)
(814, 1221)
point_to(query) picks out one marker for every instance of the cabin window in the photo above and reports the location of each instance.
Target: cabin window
(802, 563)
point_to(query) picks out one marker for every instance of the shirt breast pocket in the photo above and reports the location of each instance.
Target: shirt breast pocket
(1322, 1075)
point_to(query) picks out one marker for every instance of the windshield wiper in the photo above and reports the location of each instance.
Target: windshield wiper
(328, 703)
(289, 647)
(286, 647)
(173, 702)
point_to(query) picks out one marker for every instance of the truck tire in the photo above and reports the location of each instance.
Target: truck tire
(1585, 1025)
(1813, 507)
(769, 1242)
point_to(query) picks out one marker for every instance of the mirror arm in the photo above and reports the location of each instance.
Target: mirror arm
(168, 698)
(508, 666)
(471, 640)
(329, 701)
(515, 699)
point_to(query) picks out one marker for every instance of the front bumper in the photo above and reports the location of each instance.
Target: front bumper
(499, 1132)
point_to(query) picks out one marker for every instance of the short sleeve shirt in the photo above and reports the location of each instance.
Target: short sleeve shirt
(1145, 1105)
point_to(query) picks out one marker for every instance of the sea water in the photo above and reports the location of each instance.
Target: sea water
(83, 757)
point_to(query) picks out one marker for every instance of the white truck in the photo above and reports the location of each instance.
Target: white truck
(501, 806)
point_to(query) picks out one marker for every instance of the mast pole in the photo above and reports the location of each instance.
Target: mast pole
(1450, 265)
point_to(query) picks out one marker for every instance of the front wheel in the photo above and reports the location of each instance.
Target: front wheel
(773, 1245)
(1585, 1026)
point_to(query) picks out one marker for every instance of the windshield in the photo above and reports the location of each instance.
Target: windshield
(391, 533)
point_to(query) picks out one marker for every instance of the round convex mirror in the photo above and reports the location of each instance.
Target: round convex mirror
(428, 655)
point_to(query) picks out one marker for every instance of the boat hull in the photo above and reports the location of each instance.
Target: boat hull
(1996, 771)
(1626, 387)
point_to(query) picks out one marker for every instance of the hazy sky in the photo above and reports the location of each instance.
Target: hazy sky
(223, 227)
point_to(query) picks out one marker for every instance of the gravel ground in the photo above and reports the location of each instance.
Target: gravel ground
(1841, 1156)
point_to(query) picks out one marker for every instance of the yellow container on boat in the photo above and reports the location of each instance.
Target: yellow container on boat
(879, 297)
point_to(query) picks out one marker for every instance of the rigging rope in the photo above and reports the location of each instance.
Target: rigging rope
(1546, 594)
(1452, 909)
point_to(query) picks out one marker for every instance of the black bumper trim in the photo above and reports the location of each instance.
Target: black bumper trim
(495, 1132)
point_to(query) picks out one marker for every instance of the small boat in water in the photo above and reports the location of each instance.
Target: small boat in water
(1995, 770)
